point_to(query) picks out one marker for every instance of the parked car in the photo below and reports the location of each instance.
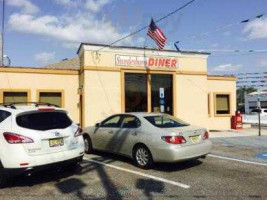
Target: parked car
(148, 138)
(36, 137)
(262, 111)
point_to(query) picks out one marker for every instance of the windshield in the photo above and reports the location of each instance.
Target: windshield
(43, 121)
(166, 121)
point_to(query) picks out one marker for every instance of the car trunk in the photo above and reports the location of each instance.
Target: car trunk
(192, 134)
(51, 131)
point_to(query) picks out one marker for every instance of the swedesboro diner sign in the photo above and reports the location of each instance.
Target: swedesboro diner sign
(143, 61)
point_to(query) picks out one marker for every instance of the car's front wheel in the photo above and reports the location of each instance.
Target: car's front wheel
(88, 147)
(142, 157)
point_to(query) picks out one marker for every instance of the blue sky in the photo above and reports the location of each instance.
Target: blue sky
(39, 32)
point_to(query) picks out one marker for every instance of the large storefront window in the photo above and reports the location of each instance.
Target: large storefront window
(161, 93)
(135, 92)
(138, 88)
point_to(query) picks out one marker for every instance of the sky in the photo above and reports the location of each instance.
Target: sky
(40, 32)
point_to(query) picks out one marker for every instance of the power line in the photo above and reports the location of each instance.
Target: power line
(197, 36)
(145, 27)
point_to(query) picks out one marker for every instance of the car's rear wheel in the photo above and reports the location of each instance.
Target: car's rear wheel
(88, 147)
(3, 176)
(142, 157)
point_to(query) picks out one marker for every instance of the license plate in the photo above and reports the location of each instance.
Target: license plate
(194, 139)
(56, 142)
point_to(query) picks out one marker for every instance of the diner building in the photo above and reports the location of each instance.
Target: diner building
(106, 80)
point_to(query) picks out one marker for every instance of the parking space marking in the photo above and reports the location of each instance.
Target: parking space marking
(238, 160)
(140, 174)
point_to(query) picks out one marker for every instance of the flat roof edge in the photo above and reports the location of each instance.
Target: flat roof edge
(141, 48)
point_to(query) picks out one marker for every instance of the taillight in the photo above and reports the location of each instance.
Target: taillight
(13, 138)
(174, 139)
(205, 135)
(78, 132)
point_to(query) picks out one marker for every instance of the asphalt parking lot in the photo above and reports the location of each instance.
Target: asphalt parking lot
(231, 172)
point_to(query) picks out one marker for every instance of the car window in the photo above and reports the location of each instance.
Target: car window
(165, 121)
(131, 122)
(265, 111)
(111, 122)
(43, 121)
(3, 115)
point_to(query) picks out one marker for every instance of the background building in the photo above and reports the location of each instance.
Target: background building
(257, 80)
(252, 99)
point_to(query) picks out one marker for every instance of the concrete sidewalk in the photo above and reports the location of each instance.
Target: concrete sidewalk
(238, 133)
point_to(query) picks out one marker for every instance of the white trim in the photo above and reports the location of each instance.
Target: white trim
(134, 51)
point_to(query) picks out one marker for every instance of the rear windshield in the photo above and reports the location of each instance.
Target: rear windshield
(165, 121)
(43, 121)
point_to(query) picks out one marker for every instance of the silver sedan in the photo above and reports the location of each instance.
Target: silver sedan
(148, 138)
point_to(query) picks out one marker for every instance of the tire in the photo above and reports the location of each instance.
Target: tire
(88, 147)
(142, 157)
(3, 177)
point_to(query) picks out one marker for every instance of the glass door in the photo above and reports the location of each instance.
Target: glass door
(135, 92)
(161, 93)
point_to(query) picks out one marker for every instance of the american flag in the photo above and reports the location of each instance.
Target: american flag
(156, 34)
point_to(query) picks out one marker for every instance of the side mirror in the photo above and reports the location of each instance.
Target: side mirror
(97, 125)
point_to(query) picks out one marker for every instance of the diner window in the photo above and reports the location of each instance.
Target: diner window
(15, 97)
(222, 104)
(51, 97)
(135, 92)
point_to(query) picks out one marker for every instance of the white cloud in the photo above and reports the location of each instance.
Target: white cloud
(25, 5)
(257, 29)
(81, 27)
(96, 5)
(45, 57)
(67, 3)
(227, 68)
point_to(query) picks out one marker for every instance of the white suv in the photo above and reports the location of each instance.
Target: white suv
(37, 137)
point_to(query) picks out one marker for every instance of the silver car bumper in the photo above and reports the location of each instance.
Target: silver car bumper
(174, 153)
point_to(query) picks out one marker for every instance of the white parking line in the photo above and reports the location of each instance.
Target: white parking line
(238, 160)
(139, 173)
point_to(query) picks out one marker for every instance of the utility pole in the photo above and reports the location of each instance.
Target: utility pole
(2, 33)
(259, 112)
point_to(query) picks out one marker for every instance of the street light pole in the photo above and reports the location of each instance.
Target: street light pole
(259, 112)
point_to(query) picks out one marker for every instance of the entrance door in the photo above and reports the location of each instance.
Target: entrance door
(161, 93)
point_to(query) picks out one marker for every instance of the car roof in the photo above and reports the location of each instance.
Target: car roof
(23, 108)
(145, 114)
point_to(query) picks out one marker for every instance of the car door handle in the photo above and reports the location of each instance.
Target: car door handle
(134, 133)
(110, 132)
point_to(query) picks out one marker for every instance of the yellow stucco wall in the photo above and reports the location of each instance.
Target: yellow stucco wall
(103, 82)
(37, 81)
(192, 99)
(219, 86)
(102, 95)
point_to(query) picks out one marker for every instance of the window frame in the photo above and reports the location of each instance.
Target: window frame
(2, 91)
(215, 104)
(62, 92)
(109, 118)
(124, 116)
